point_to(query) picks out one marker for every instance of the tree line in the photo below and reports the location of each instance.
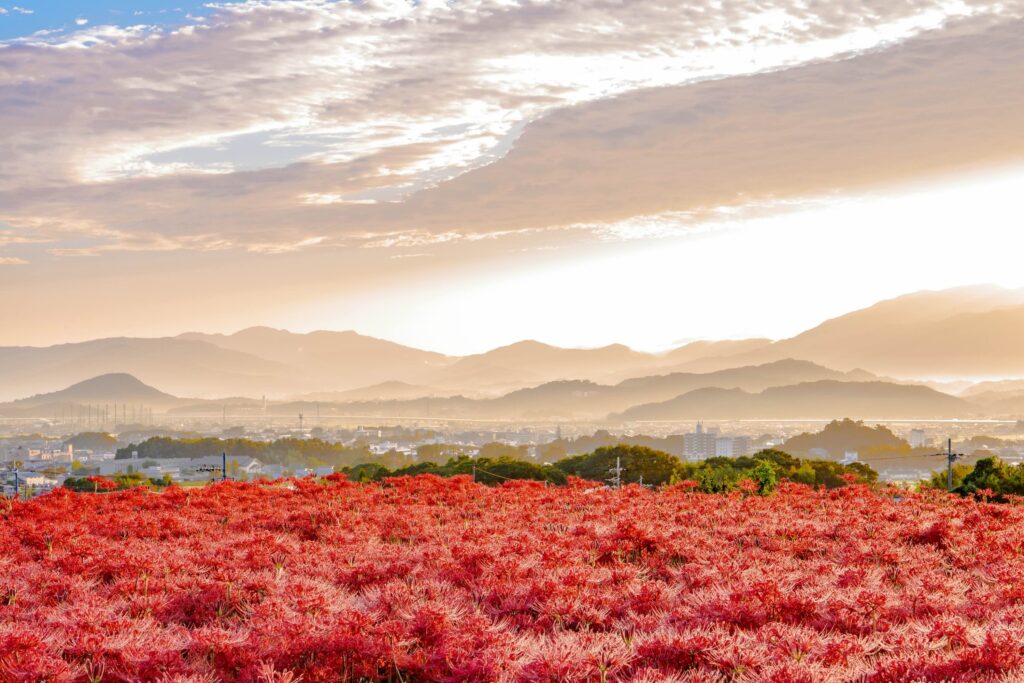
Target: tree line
(640, 465)
(494, 463)
(990, 478)
(287, 451)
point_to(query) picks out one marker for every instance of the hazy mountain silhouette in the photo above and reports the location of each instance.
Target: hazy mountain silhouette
(1003, 399)
(1002, 388)
(576, 399)
(714, 349)
(840, 436)
(334, 360)
(103, 391)
(384, 391)
(706, 356)
(343, 361)
(810, 400)
(967, 331)
(998, 399)
(182, 366)
(529, 363)
(972, 331)
(583, 399)
(119, 387)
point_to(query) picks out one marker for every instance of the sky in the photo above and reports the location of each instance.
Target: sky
(457, 175)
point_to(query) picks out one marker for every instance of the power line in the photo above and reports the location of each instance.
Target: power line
(499, 476)
(951, 457)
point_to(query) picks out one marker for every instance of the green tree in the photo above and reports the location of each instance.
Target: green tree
(988, 473)
(552, 452)
(804, 474)
(940, 478)
(504, 469)
(765, 476)
(716, 479)
(639, 463)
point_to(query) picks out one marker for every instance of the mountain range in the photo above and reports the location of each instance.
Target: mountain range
(754, 392)
(104, 392)
(824, 399)
(963, 332)
(974, 332)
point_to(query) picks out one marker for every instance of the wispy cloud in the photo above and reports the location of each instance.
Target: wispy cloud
(271, 126)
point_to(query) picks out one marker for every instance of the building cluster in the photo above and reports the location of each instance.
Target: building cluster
(39, 476)
(36, 449)
(185, 469)
(41, 462)
(39, 465)
(709, 443)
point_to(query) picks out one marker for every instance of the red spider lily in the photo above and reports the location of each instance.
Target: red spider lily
(102, 483)
(429, 579)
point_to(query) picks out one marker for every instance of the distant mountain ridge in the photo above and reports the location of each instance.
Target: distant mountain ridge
(964, 332)
(384, 391)
(587, 400)
(578, 399)
(345, 358)
(181, 366)
(823, 399)
(968, 331)
(114, 387)
(105, 392)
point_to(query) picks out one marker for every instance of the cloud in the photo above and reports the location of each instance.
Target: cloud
(273, 126)
(9, 238)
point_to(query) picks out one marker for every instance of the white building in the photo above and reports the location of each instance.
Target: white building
(39, 481)
(700, 444)
(732, 446)
(917, 438)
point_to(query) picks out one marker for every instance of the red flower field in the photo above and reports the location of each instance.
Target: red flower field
(444, 580)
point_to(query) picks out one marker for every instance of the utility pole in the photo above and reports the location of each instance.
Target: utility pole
(300, 421)
(616, 472)
(17, 483)
(951, 457)
(224, 466)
